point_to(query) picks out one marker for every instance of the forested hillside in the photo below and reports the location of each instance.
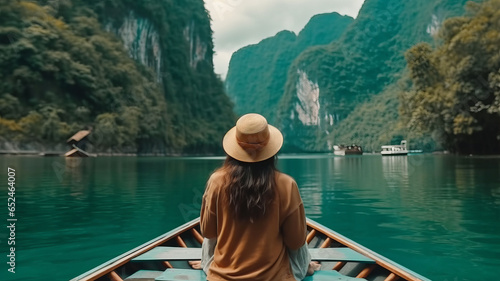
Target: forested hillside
(328, 83)
(456, 86)
(138, 73)
(257, 73)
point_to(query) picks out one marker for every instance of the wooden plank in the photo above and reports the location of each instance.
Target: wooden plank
(366, 271)
(338, 254)
(326, 243)
(197, 236)
(310, 236)
(392, 277)
(170, 254)
(329, 275)
(175, 274)
(114, 276)
(317, 254)
(181, 242)
(144, 275)
(338, 266)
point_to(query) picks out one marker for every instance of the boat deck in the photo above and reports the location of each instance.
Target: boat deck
(167, 258)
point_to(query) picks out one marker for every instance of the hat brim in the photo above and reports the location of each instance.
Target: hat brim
(233, 149)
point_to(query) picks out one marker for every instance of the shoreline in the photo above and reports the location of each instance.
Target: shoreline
(107, 154)
(102, 154)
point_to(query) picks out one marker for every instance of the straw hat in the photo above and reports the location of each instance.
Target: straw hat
(252, 139)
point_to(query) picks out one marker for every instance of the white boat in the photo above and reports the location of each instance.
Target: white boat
(391, 150)
(347, 150)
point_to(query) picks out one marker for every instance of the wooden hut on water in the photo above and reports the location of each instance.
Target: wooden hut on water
(78, 143)
(79, 139)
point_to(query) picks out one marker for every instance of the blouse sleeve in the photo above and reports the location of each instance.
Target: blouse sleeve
(208, 215)
(294, 226)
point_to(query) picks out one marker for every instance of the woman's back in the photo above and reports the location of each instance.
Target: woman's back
(253, 249)
(253, 211)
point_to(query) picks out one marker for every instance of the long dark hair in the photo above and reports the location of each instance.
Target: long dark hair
(250, 186)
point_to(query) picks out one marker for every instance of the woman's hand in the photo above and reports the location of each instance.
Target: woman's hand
(195, 264)
(313, 266)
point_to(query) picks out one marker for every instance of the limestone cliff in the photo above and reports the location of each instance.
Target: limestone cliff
(257, 73)
(138, 73)
(367, 58)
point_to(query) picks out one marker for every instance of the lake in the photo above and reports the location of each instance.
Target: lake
(438, 215)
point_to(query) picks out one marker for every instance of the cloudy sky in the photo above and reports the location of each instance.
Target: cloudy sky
(238, 23)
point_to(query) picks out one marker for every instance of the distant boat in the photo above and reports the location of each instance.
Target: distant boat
(342, 150)
(167, 258)
(392, 150)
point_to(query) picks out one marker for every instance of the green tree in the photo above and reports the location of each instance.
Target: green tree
(367, 60)
(455, 91)
(59, 60)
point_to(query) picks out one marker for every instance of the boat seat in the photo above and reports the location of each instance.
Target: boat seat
(144, 275)
(317, 254)
(330, 275)
(170, 254)
(338, 254)
(174, 274)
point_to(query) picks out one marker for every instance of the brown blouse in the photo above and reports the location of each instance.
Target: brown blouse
(253, 250)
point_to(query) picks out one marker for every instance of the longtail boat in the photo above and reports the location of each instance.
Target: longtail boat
(168, 257)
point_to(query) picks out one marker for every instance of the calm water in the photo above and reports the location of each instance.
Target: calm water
(437, 215)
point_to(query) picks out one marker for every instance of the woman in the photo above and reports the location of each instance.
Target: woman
(252, 214)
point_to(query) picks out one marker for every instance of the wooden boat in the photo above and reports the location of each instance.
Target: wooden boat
(343, 150)
(167, 258)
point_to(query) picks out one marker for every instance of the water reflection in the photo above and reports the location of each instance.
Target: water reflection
(420, 204)
(395, 170)
(495, 192)
(310, 176)
(433, 213)
(72, 175)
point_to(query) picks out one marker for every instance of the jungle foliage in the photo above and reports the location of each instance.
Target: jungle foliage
(456, 86)
(377, 122)
(61, 71)
(366, 61)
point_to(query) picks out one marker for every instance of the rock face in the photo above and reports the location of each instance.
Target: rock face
(257, 74)
(138, 73)
(142, 41)
(329, 82)
(174, 39)
(197, 48)
(307, 105)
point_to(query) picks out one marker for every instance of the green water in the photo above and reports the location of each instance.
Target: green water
(435, 214)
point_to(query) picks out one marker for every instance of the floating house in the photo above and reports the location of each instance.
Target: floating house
(78, 143)
(79, 139)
